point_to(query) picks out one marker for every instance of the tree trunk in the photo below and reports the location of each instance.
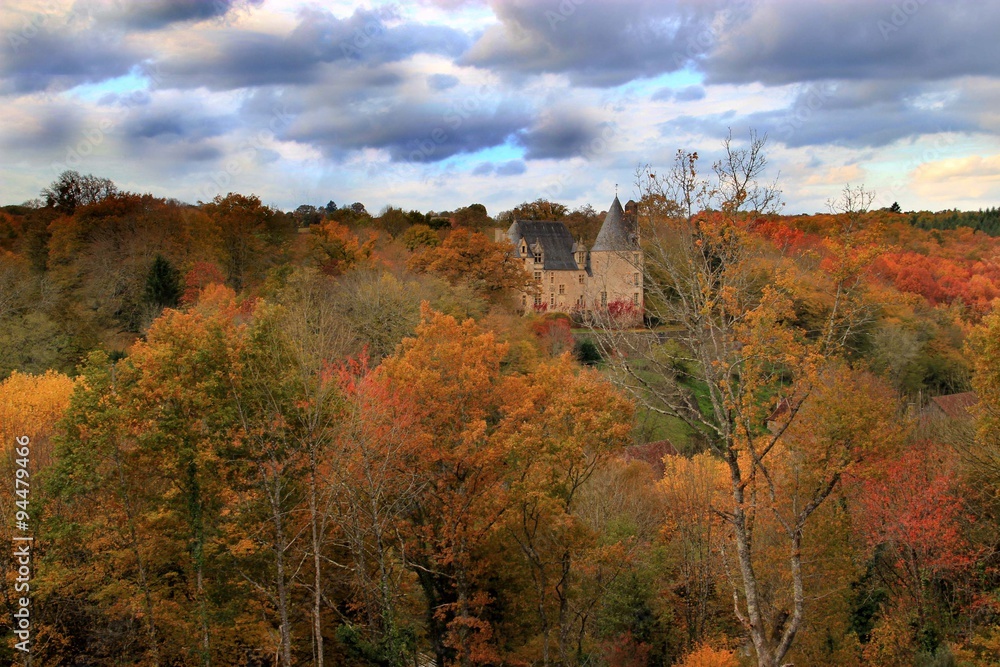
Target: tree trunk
(317, 546)
(279, 547)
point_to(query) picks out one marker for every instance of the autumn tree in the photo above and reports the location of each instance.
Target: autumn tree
(72, 190)
(470, 257)
(744, 369)
(251, 235)
(373, 491)
(479, 440)
(420, 235)
(336, 249)
(31, 406)
(580, 419)
(153, 431)
(540, 209)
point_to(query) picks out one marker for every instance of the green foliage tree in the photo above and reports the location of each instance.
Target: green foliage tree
(419, 236)
(163, 284)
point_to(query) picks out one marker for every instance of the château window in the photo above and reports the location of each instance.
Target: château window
(635, 279)
(524, 300)
(635, 299)
(538, 276)
(604, 298)
(552, 299)
(538, 256)
(538, 299)
(635, 258)
(562, 289)
(581, 278)
(552, 279)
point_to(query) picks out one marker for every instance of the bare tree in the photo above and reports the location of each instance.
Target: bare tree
(744, 366)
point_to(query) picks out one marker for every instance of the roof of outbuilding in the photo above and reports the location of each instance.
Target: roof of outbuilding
(956, 406)
(617, 232)
(554, 237)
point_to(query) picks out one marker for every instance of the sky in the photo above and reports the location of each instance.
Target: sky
(437, 104)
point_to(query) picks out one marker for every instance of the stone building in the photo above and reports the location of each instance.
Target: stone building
(572, 278)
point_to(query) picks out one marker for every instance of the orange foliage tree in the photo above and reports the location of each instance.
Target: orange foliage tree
(30, 406)
(470, 257)
(485, 440)
(337, 250)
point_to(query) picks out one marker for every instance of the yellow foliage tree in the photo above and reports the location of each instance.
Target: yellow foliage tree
(706, 655)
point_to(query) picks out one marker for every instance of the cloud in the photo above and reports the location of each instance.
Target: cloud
(173, 122)
(156, 14)
(42, 128)
(970, 177)
(690, 94)
(442, 81)
(57, 58)
(595, 43)
(240, 58)
(410, 131)
(687, 94)
(509, 168)
(786, 41)
(560, 134)
(851, 114)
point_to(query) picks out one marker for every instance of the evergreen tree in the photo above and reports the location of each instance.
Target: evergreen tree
(163, 283)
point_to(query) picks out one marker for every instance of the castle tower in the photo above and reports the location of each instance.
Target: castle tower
(616, 262)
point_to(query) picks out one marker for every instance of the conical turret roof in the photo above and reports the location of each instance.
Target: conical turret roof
(617, 232)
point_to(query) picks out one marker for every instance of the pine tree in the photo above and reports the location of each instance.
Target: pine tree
(163, 283)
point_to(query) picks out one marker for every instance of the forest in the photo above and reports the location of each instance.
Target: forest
(329, 437)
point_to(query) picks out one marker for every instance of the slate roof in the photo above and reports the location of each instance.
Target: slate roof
(956, 406)
(618, 232)
(556, 241)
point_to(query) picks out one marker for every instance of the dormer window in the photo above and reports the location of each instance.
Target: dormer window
(538, 255)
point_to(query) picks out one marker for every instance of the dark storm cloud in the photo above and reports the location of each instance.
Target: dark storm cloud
(409, 132)
(173, 123)
(559, 135)
(788, 41)
(156, 14)
(243, 58)
(597, 42)
(61, 59)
